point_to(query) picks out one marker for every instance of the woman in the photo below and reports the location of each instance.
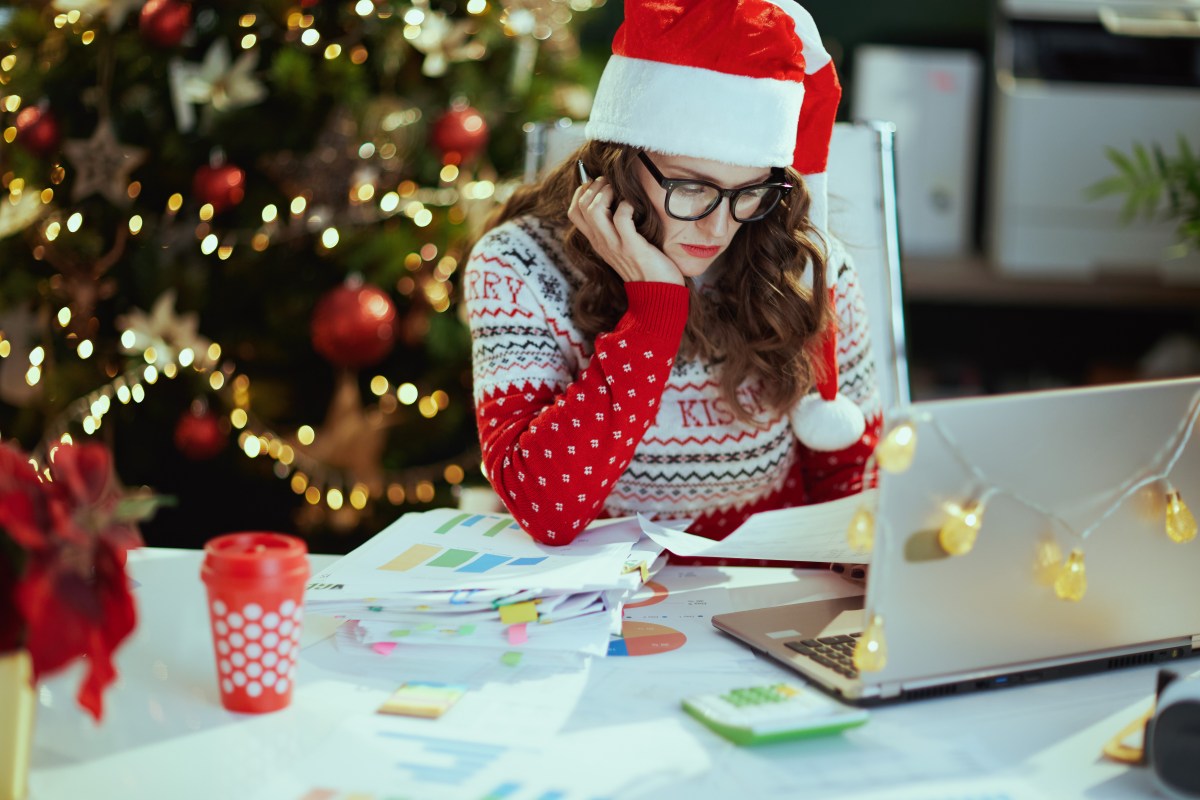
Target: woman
(649, 319)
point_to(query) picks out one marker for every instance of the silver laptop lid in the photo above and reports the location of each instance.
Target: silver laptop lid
(1051, 466)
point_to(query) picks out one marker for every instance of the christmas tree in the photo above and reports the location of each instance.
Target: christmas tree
(231, 235)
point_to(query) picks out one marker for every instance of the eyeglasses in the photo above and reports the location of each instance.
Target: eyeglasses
(690, 200)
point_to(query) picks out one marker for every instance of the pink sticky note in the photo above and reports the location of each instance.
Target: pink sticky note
(383, 648)
(517, 634)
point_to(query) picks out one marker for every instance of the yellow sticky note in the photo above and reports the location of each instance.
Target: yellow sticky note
(519, 612)
(640, 568)
(423, 699)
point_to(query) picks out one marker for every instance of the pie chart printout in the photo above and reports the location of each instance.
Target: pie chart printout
(645, 639)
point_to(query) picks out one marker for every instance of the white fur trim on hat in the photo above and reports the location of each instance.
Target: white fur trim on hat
(689, 111)
(827, 425)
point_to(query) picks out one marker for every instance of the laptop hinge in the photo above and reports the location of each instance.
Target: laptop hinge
(1196, 642)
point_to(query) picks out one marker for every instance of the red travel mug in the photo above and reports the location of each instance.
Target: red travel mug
(255, 600)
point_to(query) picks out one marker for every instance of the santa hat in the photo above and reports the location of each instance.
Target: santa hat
(744, 82)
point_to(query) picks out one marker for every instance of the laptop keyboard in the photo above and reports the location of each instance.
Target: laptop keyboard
(834, 652)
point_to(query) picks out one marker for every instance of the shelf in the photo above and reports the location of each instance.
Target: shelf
(971, 280)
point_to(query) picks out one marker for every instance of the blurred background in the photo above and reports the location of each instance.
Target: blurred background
(232, 231)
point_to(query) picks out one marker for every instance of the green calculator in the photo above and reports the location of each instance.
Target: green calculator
(772, 713)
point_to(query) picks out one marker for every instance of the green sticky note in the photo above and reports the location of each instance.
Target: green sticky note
(511, 658)
(466, 630)
(396, 634)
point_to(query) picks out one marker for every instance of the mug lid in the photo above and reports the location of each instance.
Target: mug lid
(255, 553)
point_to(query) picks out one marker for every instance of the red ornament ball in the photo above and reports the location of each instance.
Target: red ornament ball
(459, 134)
(199, 435)
(37, 130)
(354, 326)
(165, 22)
(222, 187)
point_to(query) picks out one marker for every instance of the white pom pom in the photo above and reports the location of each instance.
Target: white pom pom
(827, 425)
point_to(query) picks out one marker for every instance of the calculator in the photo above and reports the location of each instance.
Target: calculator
(772, 713)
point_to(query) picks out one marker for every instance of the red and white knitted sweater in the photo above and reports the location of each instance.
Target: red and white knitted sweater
(571, 432)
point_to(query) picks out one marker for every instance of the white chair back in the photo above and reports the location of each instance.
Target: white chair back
(862, 214)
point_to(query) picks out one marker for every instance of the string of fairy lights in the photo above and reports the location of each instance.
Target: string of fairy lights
(307, 476)
(963, 520)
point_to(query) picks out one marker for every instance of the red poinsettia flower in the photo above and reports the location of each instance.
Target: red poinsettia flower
(22, 502)
(71, 595)
(23, 519)
(10, 620)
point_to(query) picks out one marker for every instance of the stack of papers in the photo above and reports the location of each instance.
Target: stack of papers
(449, 577)
(814, 532)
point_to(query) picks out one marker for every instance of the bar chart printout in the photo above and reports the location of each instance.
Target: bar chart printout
(446, 549)
(454, 558)
(512, 790)
(487, 525)
(460, 559)
(445, 762)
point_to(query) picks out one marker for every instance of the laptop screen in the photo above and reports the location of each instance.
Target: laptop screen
(1050, 474)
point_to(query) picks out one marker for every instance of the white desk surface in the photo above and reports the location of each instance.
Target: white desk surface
(165, 734)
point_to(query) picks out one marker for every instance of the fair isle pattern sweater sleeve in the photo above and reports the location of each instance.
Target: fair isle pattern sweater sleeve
(828, 476)
(557, 427)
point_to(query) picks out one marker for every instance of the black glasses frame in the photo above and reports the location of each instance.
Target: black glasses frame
(778, 182)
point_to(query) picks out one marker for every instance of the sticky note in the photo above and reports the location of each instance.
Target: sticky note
(518, 612)
(383, 648)
(511, 658)
(640, 568)
(426, 699)
(517, 634)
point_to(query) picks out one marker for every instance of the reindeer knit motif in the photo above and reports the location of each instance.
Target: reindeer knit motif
(573, 430)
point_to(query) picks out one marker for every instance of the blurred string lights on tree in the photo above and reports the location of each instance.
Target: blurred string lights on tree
(264, 204)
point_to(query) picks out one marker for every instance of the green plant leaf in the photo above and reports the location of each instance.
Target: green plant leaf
(1145, 165)
(1187, 159)
(1113, 184)
(1121, 161)
(141, 505)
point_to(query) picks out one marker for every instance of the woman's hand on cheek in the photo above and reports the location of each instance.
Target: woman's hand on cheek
(614, 237)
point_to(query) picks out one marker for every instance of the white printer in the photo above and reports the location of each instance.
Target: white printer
(1072, 78)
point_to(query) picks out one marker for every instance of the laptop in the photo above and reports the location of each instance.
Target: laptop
(1051, 467)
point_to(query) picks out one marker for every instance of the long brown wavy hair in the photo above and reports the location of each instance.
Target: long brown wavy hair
(761, 322)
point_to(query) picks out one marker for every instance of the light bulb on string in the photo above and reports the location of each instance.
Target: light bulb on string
(957, 536)
(1071, 583)
(860, 534)
(870, 651)
(1180, 523)
(895, 452)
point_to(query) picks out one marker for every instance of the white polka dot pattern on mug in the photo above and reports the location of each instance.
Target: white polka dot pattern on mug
(256, 647)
